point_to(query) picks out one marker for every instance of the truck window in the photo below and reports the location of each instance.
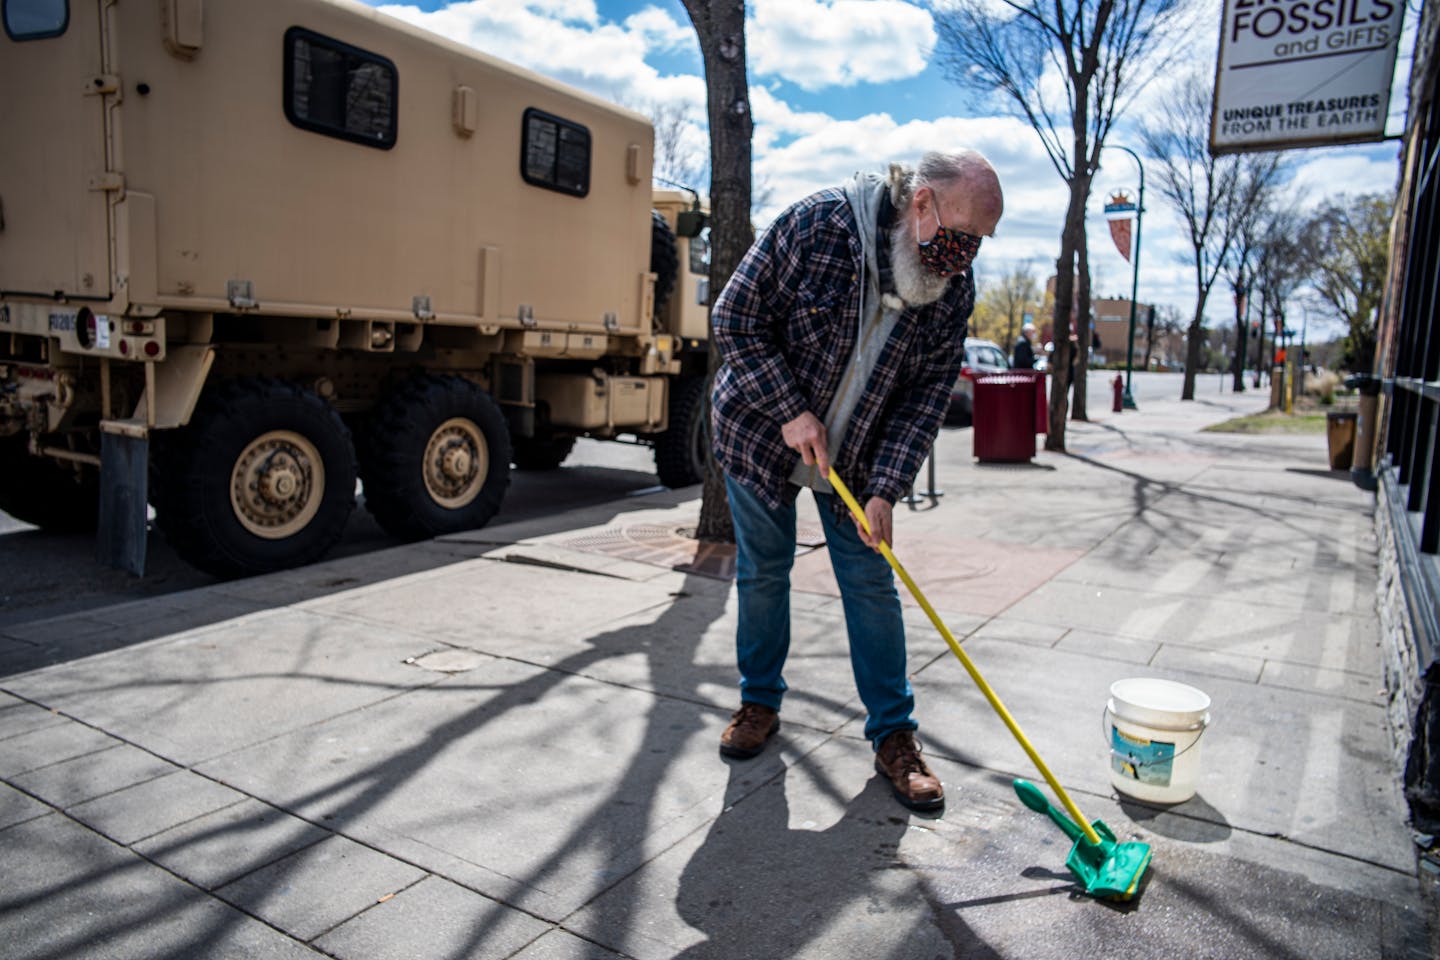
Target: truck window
(555, 153)
(339, 90)
(36, 19)
(700, 253)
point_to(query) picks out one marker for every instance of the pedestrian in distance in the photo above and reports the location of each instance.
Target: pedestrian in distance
(1023, 357)
(840, 336)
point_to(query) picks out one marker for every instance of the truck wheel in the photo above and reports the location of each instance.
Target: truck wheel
(683, 450)
(262, 479)
(541, 453)
(664, 259)
(50, 495)
(436, 458)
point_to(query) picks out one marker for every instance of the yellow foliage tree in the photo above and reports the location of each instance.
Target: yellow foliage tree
(1001, 306)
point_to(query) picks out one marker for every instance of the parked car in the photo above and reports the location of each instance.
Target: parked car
(981, 357)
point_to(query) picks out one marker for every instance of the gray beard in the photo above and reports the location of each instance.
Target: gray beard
(916, 283)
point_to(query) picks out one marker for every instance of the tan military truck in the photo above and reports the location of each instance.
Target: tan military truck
(253, 249)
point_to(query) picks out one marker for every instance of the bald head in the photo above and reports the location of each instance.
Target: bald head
(966, 188)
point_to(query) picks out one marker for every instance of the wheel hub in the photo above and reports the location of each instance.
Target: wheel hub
(456, 462)
(277, 484)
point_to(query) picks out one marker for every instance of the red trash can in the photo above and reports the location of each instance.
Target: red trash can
(1004, 418)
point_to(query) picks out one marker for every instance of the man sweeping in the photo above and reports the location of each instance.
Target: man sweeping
(841, 334)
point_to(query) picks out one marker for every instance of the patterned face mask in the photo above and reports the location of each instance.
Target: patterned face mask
(948, 252)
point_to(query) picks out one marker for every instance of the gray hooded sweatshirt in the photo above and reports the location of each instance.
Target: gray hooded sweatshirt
(877, 320)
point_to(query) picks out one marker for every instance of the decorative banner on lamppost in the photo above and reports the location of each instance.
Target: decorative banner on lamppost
(1120, 210)
(1303, 74)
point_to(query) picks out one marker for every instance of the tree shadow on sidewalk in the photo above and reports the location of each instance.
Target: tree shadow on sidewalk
(758, 887)
(613, 832)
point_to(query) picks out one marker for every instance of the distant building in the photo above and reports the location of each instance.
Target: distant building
(1110, 321)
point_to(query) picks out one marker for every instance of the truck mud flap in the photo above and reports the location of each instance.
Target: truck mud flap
(124, 474)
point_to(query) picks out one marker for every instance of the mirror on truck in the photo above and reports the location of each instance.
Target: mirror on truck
(689, 223)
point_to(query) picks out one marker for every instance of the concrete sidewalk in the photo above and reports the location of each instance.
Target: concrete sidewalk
(504, 744)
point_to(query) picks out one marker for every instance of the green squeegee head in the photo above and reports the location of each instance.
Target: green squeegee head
(1109, 870)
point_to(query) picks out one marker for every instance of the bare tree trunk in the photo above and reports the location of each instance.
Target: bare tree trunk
(1060, 321)
(1082, 321)
(1260, 346)
(720, 27)
(1194, 341)
(1238, 381)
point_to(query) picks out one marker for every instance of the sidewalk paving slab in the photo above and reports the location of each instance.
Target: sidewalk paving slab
(67, 892)
(612, 768)
(214, 849)
(1308, 772)
(502, 744)
(221, 688)
(18, 717)
(17, 807)
(433, 918)
(92, 775)
(154, 806)
(49, 745)
(316, 889)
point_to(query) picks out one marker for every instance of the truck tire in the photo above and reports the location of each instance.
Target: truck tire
(664, 259)
(683, 451)
(262, 479)
(541, 453)
(436, 458)
(45, 493)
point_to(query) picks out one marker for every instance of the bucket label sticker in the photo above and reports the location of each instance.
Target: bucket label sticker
(1135, 758)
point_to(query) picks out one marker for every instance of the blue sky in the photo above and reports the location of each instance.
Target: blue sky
(844, 85)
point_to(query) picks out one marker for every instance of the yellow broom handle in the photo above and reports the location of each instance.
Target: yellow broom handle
(969, 665)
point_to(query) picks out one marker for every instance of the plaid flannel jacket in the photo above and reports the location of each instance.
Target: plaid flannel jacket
(785, 326)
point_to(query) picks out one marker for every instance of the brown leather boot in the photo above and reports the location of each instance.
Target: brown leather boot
(910, 777)
(750, 727)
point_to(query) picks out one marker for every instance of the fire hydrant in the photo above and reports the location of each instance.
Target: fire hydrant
(1119, 385)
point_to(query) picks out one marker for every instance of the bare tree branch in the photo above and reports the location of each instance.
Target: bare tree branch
(1217, 198)
(1100, 50)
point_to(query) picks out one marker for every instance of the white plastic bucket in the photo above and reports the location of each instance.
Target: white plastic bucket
(1154, 728)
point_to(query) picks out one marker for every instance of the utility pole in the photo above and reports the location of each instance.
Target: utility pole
(1128, 399)
(1242, 326)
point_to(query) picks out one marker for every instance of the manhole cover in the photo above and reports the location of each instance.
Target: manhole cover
(447, 661)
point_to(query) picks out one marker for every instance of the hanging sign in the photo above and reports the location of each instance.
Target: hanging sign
(1303, 73)
(1120, 210)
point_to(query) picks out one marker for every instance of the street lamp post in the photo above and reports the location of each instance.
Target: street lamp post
(1128, 400)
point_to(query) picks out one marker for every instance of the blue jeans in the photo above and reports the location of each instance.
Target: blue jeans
(765, 552)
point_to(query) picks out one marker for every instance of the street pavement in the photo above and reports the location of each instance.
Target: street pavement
(504, 744)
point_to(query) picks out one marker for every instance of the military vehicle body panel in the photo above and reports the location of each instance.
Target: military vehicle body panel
(311, 190)
(316, 224)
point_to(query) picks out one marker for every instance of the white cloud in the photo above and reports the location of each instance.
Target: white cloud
(776, 120)
(659, 30)
(1353, 170)
(567, 40)
(798, 151)
(838, 43)
(576, 11)
(1167, 271)
(827, 152)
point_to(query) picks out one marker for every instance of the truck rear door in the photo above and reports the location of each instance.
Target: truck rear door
(53, 200)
